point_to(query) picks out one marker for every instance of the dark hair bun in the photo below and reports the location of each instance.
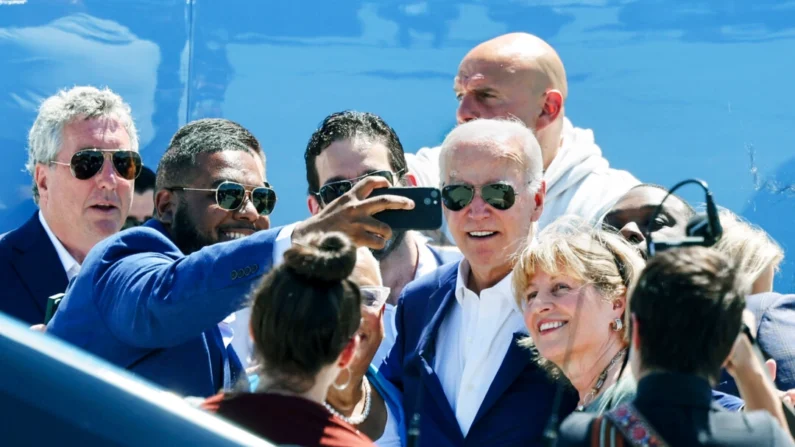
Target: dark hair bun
(322, 256)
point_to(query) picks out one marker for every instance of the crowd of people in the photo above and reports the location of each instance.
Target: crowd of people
(536, 312)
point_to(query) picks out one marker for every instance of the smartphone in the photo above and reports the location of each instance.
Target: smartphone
(427, 212)
(52, 306)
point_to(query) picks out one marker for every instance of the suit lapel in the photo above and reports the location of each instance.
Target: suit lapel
(439, 304)
(38, 264)
(515, 361)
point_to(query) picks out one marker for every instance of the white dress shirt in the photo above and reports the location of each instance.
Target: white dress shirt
(70, 265)
(472, 342)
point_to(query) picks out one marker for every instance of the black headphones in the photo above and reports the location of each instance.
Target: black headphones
(702, 230)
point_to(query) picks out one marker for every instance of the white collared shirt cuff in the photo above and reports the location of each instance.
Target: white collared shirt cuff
(284, 240)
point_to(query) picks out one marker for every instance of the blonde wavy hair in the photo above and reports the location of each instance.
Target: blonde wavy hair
(590, 255)
(751, 248)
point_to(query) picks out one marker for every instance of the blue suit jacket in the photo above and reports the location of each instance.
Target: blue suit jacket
(30, 272)
(518, 403)
(775, 317)
(143, 305)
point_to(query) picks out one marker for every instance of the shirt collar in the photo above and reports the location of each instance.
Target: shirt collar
(503, 289)
(70, 265)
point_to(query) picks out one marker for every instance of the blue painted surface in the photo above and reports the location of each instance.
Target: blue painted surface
(672, 89)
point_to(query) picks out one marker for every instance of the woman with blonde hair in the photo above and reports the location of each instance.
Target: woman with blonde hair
(572, 286)
(757, 255)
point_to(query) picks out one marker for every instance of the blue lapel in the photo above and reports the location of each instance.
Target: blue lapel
(37, 263)
(439, 304)
(515, 361)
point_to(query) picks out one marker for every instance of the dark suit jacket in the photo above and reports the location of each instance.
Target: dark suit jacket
(775, 316)
(30, 272)
(518, 403)
(143, 305)
(681, 409)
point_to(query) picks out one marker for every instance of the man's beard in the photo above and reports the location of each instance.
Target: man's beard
(390, 246)
(185, 234)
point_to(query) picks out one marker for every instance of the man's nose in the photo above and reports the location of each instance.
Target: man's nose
(631, 232)
(467, 109)
(247, 210)
(107, 177)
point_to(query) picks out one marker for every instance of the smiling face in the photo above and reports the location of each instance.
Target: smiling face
(550, 306)
(195, 218)
(83, 212)
(487, 236)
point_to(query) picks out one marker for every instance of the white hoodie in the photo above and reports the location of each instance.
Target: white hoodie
(579, 180)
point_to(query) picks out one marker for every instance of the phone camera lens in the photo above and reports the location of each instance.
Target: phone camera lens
(434, 194)
(427, 201)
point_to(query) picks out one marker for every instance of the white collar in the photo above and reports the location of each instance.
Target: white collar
(503, 289)
(70, 266)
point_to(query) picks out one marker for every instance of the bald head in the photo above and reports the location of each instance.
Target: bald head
(515, 75)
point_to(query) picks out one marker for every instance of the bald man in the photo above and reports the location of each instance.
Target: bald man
(519, 75)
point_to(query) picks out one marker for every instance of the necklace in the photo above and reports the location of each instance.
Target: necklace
(355, 420)
(600, 381)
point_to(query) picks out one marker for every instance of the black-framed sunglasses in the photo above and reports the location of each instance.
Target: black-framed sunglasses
(456, 197)
(86, 163)
(332, 191)
(231, 196)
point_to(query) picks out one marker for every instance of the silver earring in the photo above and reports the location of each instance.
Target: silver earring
(347, 382)
(618, 324)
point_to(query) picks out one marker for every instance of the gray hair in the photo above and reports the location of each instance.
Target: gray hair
(45, 137)
(499, 131)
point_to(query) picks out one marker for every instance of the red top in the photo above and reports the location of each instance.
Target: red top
(286, 420)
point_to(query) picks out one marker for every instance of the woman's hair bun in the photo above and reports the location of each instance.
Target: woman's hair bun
(322, 256)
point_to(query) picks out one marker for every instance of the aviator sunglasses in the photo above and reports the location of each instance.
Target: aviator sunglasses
(332, 191)
(87, 163)
(498, 195)
(231, 196)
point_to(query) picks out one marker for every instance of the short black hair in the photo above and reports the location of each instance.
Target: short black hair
(204, 136)
(688, 208)
(349, 124)
(145, 181)
(689, 304)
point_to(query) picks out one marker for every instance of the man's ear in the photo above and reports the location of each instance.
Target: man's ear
(166, 206)
(40, 177)
(539, 199)
(410, 179)
(313, 204)
(550, 110)
(635, 332)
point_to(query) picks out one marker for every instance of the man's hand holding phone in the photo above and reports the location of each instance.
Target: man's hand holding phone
(352, 214)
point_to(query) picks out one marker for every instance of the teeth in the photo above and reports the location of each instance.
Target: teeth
(234, 236)
(481, 233)
(551, 325)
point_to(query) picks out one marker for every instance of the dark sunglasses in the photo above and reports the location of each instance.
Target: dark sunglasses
(498, 195)
(88, 163)
(332, 191)
(231, 196)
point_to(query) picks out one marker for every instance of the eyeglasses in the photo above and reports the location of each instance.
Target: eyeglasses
(332, 191)
(374, 297)
(498, 195)
(231, 196)
(87, 163)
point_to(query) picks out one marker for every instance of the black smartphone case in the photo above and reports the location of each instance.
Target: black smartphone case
(427, 212)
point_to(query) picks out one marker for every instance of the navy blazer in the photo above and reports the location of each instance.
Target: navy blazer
(30, 272)
(775, 318)
(143, 305)
(518, 403)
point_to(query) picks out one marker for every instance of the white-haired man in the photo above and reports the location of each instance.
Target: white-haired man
(519, 75)
(83, 157)
(455, 358)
